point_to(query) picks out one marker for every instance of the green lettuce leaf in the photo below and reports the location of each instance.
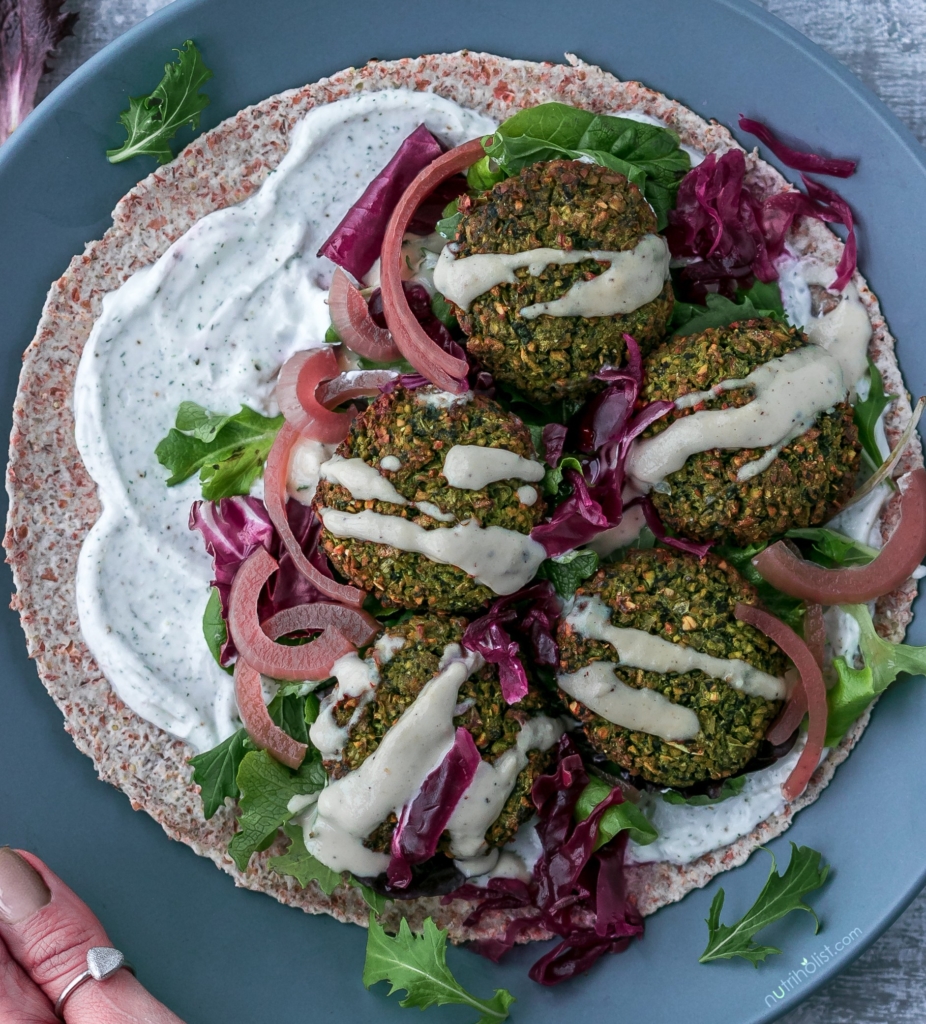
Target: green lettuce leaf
(567, 572)
(866, 415)
(229, 461)
(856, 688)
(151, 121)
(418, 964)
(216, 771)
(831, 548)
(788, 609)
(266, 790)
(690, 318)
(780, 895)
(729, 788)
(615, 819)
(450, 220)
(304, 867)
(646, 154)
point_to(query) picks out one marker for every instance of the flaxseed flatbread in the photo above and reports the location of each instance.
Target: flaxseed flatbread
(53, 501)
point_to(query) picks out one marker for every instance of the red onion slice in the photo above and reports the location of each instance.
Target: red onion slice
(310, 661)
(296, 389)
(900, 556)
(814, 688)
(354, 384)
(275, 473)
(447, 371)
(261, 728)
(351, 318)
(358, 627)
(792, 714)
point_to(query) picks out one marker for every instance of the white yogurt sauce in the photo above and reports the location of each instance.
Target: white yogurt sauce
(305, 463)
(633, 277)
(211, 322)
(590, 617)
(503, 560)
(472, 467)
(686, 833)
(364, 481)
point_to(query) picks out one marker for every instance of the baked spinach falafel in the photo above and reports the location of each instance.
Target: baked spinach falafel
(681, 599)
(493, 724)
(418, 428)
(808, 482)
(561, 204)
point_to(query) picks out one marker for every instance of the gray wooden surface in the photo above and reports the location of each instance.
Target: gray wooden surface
(884, 43)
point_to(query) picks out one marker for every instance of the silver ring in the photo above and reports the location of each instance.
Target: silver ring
(102, 963)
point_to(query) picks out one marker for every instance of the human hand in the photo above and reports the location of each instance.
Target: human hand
(45, 932)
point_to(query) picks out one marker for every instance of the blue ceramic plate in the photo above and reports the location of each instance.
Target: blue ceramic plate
(215, 954)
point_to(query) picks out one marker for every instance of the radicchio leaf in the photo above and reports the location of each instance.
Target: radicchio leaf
(489, 635)
(659, 531)
(796, 158)
(423, 821)
(29, 31)
(419, 301)
(233, 528)
(554, 441)
(578, 893)
(356, 242)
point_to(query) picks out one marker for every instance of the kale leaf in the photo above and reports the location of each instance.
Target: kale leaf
(648, 155)
(418, 964)
(615, 819)
(856, 688)
(152, 120)
(567, 572)
(229, 452)
(780, 895)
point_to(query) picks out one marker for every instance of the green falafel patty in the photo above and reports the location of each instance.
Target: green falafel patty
(410, 655)
(407, 436)
(806, 484)
(675, 597)
(563, 204)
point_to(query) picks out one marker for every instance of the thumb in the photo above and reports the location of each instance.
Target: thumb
(48, 929)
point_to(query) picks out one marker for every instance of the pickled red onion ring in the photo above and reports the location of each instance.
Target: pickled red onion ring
(258, 724)
(446, 371)
(358, 626)
(351, 318)
(814, 688)
(309, 661)
(354, 384)
(792, 714)
(900, 556)
(275, 473)
(296, 389)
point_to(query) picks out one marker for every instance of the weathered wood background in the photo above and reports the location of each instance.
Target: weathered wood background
(884, 43)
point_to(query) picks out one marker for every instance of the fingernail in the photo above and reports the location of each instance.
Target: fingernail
(22, 891)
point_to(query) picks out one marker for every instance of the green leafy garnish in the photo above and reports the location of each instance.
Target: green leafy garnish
(214, 629)
(229, 452)
(788, 609)
(615, 819)
(304, 867)
(450, 220)
(780, 895)
(553, 482)
(690, 318)
(567, 572)
(418, 964)
(151, 121)
(266, 789)
(831, 548)
(442, 309)
(647, 154)
(867, 413)
(856, 688)
(729, 788)
(287, 709)
(216, 771)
